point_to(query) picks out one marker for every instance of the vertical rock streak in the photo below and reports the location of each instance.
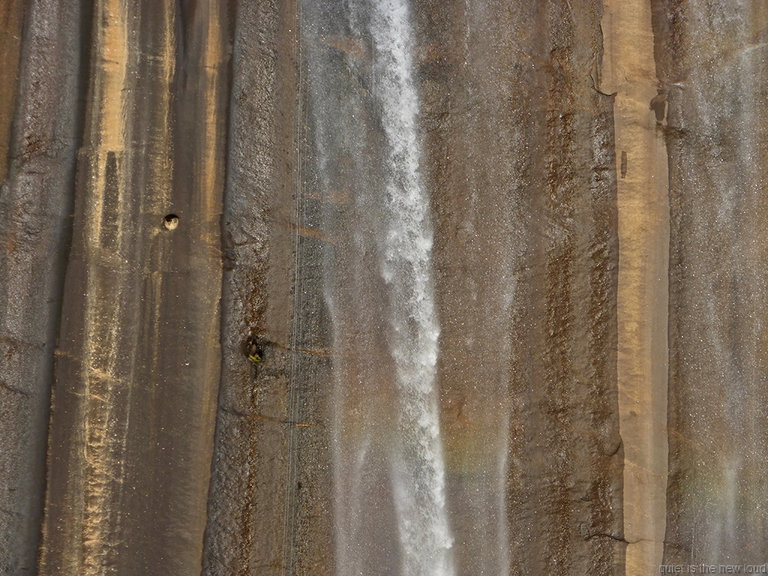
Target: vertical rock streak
(406, 261)
(629, 72)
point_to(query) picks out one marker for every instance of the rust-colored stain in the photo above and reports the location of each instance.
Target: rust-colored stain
(315, 233)
(321, 352)
(338, 197)
(102, 437)
(629, 70)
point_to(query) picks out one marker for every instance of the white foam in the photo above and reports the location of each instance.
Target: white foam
(418, 470)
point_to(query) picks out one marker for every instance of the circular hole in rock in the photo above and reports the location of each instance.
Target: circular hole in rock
(171, 222)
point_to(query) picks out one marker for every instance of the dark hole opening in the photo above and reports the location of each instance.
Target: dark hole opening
(254, 349)
(170, 222)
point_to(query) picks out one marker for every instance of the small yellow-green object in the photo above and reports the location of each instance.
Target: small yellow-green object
(255, 358)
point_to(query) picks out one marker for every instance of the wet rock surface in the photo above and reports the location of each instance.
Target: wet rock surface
(521, 162)
(202, 366)
(711, 58)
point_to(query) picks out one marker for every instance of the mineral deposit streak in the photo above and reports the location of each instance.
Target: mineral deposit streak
(419, 477)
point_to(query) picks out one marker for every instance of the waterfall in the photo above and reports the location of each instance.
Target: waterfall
(419, 478)
(390, 502)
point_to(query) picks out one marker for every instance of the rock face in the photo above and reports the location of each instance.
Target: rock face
(712, 65)
(42, 128)
(138, 361)
(321, 287)
(521, 161)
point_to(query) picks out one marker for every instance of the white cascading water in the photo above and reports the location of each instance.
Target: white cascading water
(418, 469)
(389, 474)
